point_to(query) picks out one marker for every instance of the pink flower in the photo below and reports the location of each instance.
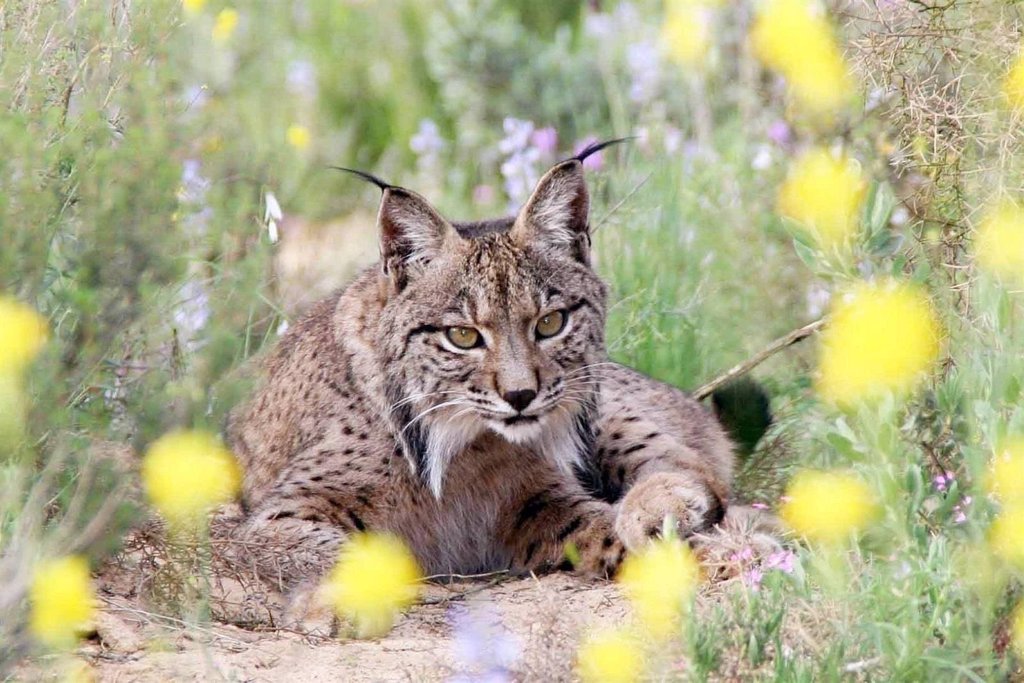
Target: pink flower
(595, 161)
(545, 140)
(783, 560)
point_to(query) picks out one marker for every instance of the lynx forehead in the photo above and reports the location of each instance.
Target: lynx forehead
(459, 394)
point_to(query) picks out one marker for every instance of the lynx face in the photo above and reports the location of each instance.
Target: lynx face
(491, 332)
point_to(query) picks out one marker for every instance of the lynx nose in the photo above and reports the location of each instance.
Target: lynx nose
(520, 398)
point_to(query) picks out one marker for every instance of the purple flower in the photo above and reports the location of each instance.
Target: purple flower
(483, 195)
(484, 650)
(759, 506)
(427, 144)
(783, 560)
(752, 578)
(780, 133)
(545, 140)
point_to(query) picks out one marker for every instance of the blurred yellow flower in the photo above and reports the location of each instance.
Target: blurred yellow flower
(297, 136)
(793, 39)
(1017, 629)
(224, 25)
(22, 334)
(880, 337)
(1005, 478)
(827, 506)
(375, 578)
(824, 193)
(187, 474)
(61, 600)
(1006, 535)
(193, 7)
(999, 240)
(1013, 83)
(610, 656)
(659, 582)
(685, 33)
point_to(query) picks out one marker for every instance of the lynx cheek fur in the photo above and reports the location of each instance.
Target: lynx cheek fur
(459, 395)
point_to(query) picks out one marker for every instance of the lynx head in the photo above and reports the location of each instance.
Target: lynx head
(491, 326)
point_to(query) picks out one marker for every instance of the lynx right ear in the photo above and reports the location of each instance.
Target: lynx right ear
(412, 234)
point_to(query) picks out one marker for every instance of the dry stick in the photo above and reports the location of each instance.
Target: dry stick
(758, 358)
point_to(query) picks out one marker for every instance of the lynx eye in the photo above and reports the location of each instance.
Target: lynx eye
(464, 337)
(550, 324)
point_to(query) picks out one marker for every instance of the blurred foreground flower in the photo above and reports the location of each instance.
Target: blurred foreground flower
(224, 25)
(999, 240)
(659, 582)
(827, 506)
(61, 600)
(1006, 535)
(1006, 472)
(22, 334)
(1013, 83)
(193, 7)
(793, 39)
(612, 656)
(824, 193)
(881, 336)
(376, 577)
(686, 32)
(187, 474)
(298, 136)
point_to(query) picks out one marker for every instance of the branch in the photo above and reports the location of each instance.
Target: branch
(746, 366)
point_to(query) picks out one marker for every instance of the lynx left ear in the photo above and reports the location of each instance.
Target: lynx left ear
(555, 219)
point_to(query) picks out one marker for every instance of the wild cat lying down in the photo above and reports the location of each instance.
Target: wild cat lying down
(459, 395)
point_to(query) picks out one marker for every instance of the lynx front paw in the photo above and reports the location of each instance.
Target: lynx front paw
(689, 501)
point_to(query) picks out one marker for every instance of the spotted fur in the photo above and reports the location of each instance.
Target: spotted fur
(495, 457)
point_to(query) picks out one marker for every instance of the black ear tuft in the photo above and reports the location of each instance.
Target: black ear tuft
(598, 146)
(368, 177)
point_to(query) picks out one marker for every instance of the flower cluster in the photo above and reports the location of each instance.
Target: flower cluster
(859, 359)
(827, 506)
(375, 578)
(790, 37)
(823, 193)
(999, 241)
(23, 332)
(186, 475)
(610, 656)
(660, 580)
(61, 600)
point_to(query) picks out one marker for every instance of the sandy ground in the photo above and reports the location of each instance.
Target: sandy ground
(541, 620)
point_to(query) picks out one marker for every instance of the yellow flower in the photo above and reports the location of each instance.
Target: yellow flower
(1017, 629)
(789, 37)
(685, 34)
(824, 193)
(375, 578)
(999, 240)
(880, 337)
(611, 656)
(1006, 472)
(1006, 535)
(659, 582)
(193, 7)
(827, 506)
(1013, 83)
(224, 25)
(297, 136)
(61, 601)
(187, 474)
(22, 334)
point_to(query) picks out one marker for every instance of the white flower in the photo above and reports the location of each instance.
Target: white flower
(271, 216)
